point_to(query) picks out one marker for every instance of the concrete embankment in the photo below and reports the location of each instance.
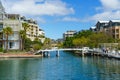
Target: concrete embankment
(19, 56)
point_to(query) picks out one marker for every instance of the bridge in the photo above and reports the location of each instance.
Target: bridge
(84, 50)
(46, 51)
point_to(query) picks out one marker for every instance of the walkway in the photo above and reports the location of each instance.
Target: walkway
(66, 49)
(84, 50)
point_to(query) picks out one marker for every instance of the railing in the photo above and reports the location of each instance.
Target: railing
(96, 51)
(66, 49)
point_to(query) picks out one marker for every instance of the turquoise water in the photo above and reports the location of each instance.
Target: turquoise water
(65, 67)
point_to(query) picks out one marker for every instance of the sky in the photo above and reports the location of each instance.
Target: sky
(58, 16)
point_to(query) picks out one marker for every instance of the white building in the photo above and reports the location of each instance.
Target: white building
(68, 34)
(15, 21)
(41, 35)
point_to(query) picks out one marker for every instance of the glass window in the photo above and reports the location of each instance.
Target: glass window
(11, 44)
(1, 27)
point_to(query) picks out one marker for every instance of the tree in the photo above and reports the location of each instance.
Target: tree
(22, 36)
(25, 26)
(88, 38)
(46, 43)
(100, 37)
(85, 33)
(80, 42)
(68, 42)
(36, 47)
(28, 44)
(36, 39)
(7, 31)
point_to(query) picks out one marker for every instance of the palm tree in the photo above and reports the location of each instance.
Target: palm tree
(7, 31)
(25, 26)
(22, 36)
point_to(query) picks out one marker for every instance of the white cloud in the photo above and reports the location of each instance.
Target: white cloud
(106, 16)
(71, 19)
(37, 7)
(110, 4)
(109, 10)
(40, 20)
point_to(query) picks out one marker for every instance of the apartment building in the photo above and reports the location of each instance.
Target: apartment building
(41, 35)
(2, 16)
(69, 34)
(33, 30)
(93, 28)
(15, 21)
(114, 28)
(102, 26)
(111, 27)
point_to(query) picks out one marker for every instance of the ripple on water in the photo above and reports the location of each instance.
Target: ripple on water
(65, 67)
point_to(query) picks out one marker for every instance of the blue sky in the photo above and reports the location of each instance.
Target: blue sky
(57, 16)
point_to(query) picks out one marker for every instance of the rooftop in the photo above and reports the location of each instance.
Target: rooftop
(103, 21)
(115, 20)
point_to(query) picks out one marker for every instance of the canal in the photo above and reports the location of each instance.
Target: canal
(65, 67)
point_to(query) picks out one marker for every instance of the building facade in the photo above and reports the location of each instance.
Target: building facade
(32, 32)
(41, 35)
(15, 21)
(111, 27)
(2, 16)
(102, 25)
(68, 34)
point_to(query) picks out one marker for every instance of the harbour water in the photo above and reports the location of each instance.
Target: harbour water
(65, 67)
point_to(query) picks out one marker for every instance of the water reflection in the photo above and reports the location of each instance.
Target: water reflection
(65, 67)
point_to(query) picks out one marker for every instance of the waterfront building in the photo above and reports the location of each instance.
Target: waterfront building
(93, 29)
(114, 28)
(101, 26)
(2, 16)
(111, 27)
(41, 35)
(15, 21)
(32, 32)
(69, 34)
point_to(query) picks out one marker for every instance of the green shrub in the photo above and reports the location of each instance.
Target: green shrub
(4, 51)
(1, 49)
(36, 47)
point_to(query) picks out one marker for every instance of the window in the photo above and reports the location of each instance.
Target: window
(0, 44)
(117, 36)
(11, 44)
(1, 27)
(117, 30)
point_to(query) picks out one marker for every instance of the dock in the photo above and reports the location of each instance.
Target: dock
(109, 54)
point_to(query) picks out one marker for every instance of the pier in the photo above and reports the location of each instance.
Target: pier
(109, 53)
